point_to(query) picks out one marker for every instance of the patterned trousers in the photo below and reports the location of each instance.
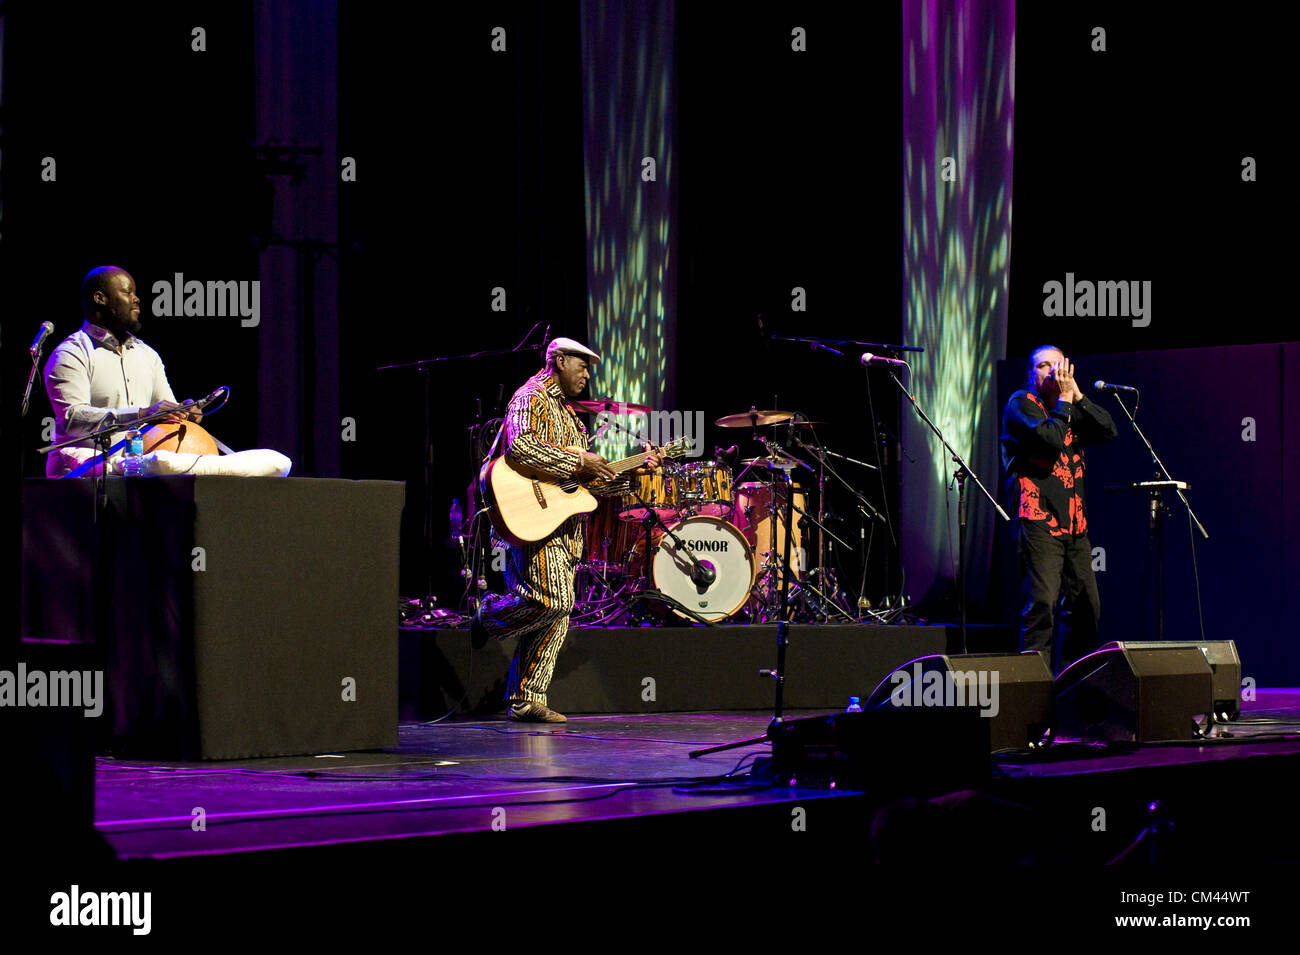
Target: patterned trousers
(540, 580)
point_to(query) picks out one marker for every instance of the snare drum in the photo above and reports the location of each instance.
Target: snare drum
(704, 487)
(658, 489)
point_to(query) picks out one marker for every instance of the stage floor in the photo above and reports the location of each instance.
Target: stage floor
(610, 775)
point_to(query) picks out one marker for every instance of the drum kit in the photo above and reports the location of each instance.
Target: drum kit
(711, 539)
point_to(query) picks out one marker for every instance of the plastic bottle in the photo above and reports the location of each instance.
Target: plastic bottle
(133, 459)
(854, 705)
(456, 519)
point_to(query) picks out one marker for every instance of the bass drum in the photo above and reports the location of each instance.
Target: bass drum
(717, 545)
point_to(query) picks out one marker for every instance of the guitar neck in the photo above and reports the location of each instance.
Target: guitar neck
(629, 464)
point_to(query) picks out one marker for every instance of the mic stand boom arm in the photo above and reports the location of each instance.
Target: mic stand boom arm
(818, 453)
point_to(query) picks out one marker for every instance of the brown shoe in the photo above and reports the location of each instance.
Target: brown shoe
(534, 713)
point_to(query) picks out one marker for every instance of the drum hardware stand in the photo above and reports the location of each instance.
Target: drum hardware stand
(1156, 488)
(865, 506)
(777, 675)
(963, 473)
(821, 573)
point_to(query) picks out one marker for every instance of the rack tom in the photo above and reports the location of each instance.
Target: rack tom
(704, 488)
(659, 491)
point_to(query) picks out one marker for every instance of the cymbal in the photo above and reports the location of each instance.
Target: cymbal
(753, 418)
(781, 463)
(597, 405)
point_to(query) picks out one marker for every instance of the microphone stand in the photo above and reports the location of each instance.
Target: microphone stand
(777, 675)
(963, 473)
(36, 364)
(1158, 511)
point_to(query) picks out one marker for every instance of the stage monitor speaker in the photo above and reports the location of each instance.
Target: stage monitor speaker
(1224, 663)
(1136, 692)
(1014, 689)
(888, 754)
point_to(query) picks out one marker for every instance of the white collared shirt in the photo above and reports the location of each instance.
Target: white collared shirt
(92, 384)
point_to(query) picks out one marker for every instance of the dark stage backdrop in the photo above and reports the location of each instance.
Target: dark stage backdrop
(1229, 441)
(439, 169)
(465, 230)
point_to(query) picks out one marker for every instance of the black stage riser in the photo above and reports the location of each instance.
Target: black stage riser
(237, 617)
(694, 669)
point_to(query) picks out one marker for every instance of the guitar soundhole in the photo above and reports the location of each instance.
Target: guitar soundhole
(568, 487)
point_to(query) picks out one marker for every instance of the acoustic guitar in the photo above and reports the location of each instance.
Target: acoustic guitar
(527, 506)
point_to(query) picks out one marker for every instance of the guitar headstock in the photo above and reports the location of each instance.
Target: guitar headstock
(679, 448)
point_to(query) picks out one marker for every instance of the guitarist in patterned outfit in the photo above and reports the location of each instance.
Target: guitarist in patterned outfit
(539, 425)
(1044, 429)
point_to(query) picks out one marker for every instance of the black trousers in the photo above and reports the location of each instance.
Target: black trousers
(1059, 589)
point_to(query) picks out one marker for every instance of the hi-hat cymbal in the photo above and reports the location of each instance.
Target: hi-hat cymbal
(753, 418)
(780, 462)
(597, 405)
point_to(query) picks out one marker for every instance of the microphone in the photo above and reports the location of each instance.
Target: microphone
(870, 359)
(1107, 386)
(47, 329)
(702, 575)
(204, 402)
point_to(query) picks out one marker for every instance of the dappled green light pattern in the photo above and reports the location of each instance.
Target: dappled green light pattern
(959, 85)
(627, 115)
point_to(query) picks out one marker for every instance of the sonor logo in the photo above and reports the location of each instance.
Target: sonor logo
(711, 546)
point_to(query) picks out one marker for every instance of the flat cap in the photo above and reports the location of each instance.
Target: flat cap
(567, 346)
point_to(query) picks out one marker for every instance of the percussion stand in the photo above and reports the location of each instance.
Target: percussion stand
(821, 454)
(777, 675)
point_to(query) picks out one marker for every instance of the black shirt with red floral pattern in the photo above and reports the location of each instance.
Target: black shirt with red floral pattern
(1042, 456)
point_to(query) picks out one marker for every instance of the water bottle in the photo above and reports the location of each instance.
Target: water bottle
(854, 706)
(133, 460)
(456, 520)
